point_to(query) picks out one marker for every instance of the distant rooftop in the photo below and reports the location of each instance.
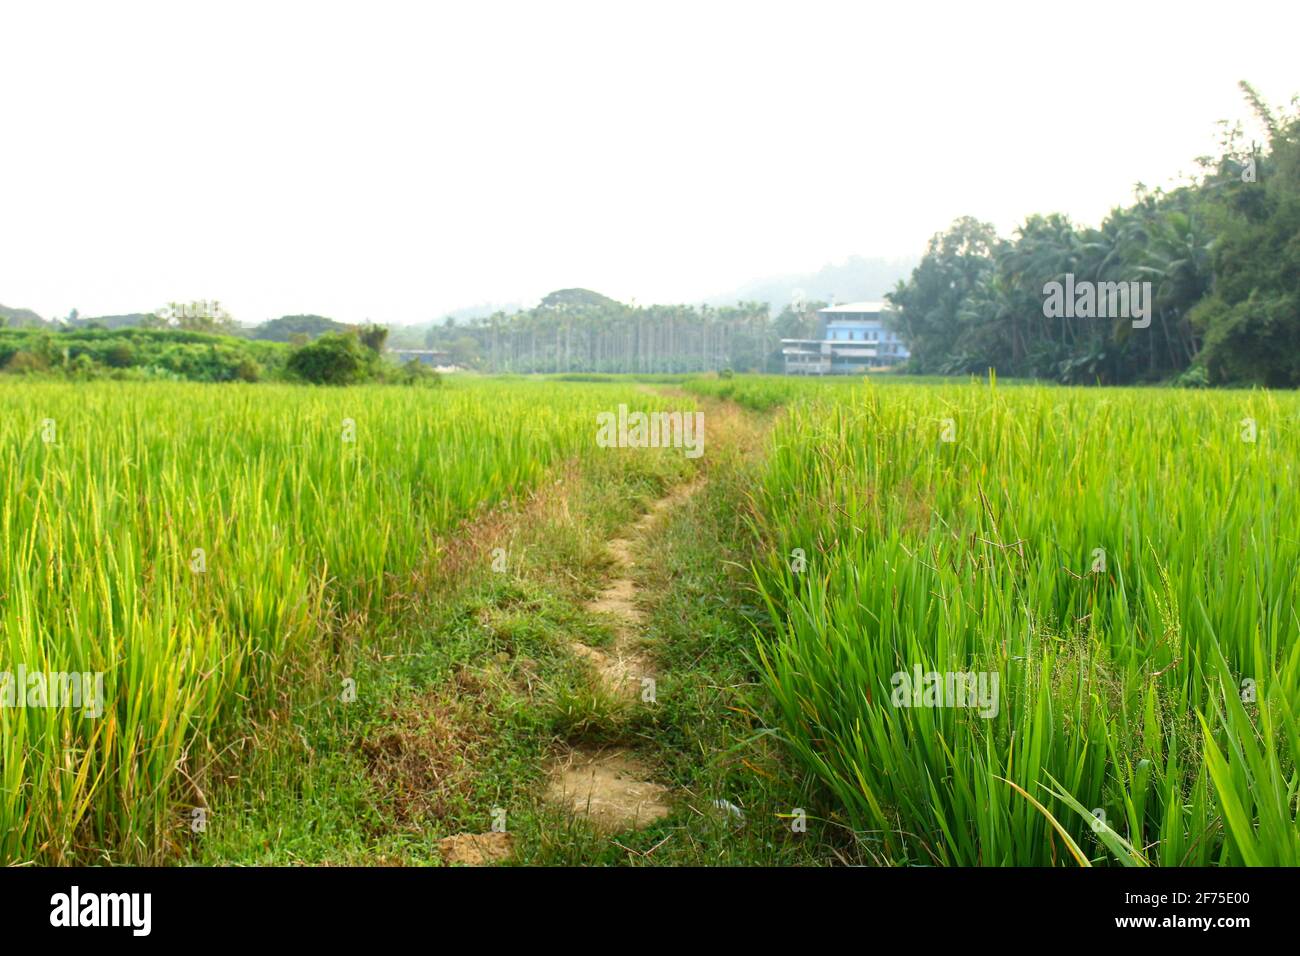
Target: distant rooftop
(855, 307)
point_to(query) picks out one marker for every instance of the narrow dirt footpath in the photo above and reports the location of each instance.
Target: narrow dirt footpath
(610, 786)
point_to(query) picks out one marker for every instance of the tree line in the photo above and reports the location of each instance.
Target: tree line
(577, 330)
(1221, 254)
(569, 331)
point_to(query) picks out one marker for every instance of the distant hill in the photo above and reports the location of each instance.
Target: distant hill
(126, 321)
(286, 327)
(854, 279)
(15, 318)
(577, 298)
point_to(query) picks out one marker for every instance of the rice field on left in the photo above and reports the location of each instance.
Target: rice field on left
(198, 546)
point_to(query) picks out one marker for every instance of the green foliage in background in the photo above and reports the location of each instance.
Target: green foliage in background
(1222, 256)
(137, 353)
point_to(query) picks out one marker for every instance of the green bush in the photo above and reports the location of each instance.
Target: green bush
(120, 355)
(136, 353)
(373, 337)
(1194, 377)
(333, 359)
(140, 354)
(415, 372)
(82, 367)
(248, 370)
(24, 363)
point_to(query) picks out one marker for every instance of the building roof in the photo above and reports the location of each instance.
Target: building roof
(854, 307)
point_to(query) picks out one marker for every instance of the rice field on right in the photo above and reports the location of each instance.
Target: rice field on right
(1031, 625)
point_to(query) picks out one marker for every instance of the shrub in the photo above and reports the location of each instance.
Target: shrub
(120, 355)
(248, 370)
(82, 367)
(373, 337)
(24, 362)
(415, 372)
(333, 359)
(1194, 377)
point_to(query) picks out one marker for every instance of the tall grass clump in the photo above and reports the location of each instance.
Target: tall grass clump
(1126, 562)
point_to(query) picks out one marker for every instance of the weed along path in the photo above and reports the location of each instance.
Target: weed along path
(575, 689)
(606, 673)
(610, 786)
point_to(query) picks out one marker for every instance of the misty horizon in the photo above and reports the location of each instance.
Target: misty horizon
(414, 163)
(858, 277)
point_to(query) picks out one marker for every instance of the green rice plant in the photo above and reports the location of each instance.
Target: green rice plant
(209, 549)
(1124, 561)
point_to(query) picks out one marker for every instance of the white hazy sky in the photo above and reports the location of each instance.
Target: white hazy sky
(393, 161)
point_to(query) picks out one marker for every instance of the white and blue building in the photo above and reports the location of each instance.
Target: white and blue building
(855, 340)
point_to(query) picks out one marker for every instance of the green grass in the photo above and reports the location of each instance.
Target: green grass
(763, 393)
(1121, 687)
(500, 643)
(706, 733)
(314, 549)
